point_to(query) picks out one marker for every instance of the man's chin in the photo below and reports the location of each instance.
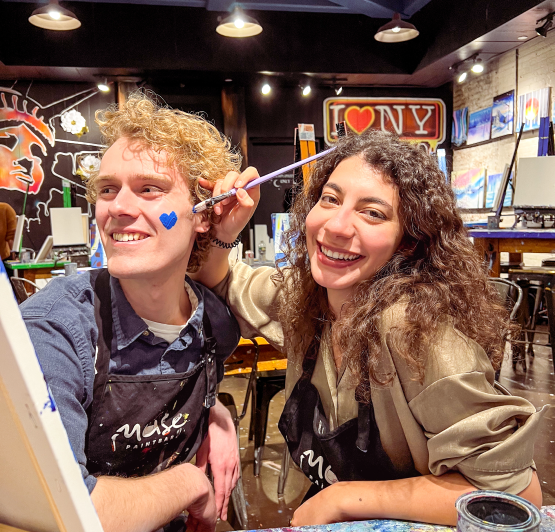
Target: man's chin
(120, 270)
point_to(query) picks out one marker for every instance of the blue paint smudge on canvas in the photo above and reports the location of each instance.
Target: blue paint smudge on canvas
(50, 404)
(168, 220)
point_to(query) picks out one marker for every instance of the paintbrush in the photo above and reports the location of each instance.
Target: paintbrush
(203, 205)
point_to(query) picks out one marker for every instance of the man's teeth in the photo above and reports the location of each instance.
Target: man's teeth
(127, 237)
(340, 256)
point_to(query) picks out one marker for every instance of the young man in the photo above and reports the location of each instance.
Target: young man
(133, 353)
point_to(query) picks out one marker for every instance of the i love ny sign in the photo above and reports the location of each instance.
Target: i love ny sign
(420, 120)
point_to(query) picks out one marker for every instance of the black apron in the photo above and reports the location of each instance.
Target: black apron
(140, 424)
(353, 451)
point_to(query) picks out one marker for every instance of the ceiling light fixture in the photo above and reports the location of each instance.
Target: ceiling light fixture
(239, 25)
(54, 17)
(266, 89)
(478, 66)
(103, 85)
(396, 30)
(547, 25)
(306, 90)
(338, 90)
(461, 69)
(523, 38)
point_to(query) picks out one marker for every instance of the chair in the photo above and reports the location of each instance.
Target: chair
(544, 276)
(237, 511)
(512, 295)
(21, 294)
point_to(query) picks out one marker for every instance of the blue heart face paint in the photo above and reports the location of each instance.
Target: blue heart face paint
(168, 220)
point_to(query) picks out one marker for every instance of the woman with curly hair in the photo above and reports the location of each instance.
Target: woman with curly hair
(392, 335)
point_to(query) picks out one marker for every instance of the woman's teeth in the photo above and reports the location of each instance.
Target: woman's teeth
(127, 237)
(339, 256)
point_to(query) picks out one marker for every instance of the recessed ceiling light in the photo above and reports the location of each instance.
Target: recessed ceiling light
(266, 89)
(522, 38)
(307, 90)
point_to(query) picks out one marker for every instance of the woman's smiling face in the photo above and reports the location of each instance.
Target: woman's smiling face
(354, 229)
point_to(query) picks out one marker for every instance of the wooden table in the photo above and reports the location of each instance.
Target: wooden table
(390, 525)
(32, 272)
(269, 359)
(492, 242)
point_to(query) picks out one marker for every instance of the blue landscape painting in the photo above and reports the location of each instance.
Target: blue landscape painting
(494, 181)
(502, 115)
(479, 126)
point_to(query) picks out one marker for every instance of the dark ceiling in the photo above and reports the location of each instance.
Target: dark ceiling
(327, 40)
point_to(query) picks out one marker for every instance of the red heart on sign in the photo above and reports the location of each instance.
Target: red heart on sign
(359, 119)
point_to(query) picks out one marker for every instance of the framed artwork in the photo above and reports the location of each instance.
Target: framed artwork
(502, 114)
(479, 126)
(468, 187)
(493, 186)
(533, 106)
(459, 129)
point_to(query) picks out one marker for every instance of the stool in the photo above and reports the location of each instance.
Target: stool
(546, 276)
(268, 383)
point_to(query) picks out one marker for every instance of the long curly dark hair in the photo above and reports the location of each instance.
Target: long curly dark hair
(436, 270)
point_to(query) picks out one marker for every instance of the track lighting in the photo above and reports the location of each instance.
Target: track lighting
(306, 90)
(477, 67)
(461, 69)
(266, 89)
(103, 85)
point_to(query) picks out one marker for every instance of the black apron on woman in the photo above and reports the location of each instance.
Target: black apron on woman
(353, 451)
(141, 424)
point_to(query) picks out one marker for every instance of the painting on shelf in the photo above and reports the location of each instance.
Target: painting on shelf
(533, 106)
(502, 115)
(494, 180)
(468, 187)
(459, 129)
(479, 126)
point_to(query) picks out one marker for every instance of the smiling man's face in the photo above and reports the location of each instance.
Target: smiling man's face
(136, 196)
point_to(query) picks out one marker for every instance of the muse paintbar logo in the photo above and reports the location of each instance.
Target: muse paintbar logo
(139, 438)
(414, 119)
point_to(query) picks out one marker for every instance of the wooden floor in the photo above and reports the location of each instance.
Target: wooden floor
(266, 510)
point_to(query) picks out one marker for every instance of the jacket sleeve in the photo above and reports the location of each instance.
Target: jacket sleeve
(471, 427)
(64, 347)
(253, 298)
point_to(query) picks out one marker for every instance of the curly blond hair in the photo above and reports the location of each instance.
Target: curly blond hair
(193, 146)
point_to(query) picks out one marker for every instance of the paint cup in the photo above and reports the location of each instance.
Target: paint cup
(488, 511)
(70, 268)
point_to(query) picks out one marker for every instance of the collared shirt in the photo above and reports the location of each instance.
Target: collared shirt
(61, 323)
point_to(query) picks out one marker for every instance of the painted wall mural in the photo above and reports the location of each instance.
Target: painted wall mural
(47, 136)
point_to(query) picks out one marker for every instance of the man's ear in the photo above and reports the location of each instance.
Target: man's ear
(202, 225)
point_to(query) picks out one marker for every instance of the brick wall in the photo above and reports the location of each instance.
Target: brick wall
(535, 64)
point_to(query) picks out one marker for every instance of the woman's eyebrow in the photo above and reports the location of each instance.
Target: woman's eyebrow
(368, 199)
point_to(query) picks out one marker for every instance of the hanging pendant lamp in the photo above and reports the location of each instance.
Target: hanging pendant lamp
(239, 25)
(396, 30)
(54, 17)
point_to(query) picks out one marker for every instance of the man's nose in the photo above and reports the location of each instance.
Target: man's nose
(124, 204)
(341, 223)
